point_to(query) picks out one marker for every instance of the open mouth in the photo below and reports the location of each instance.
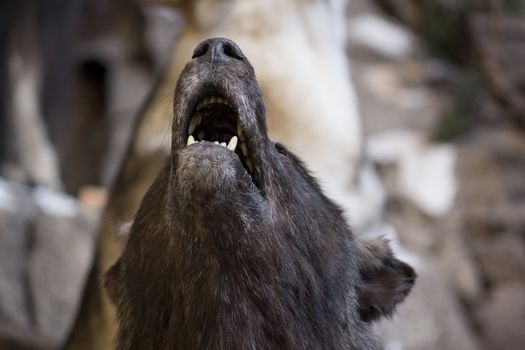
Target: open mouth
(215, 120)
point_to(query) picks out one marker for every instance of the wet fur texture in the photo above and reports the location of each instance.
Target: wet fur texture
(219, 259)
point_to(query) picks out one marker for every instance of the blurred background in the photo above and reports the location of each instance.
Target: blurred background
(434, 88)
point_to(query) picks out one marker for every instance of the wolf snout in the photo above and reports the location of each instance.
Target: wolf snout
(217, 50)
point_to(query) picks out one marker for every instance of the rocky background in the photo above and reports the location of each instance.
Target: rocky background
(442, 89)
(441, 86)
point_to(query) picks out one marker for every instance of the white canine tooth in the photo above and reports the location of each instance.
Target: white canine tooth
(194, 122)
(223, 144)
(191, 140)
(216, 142)
(232, 144)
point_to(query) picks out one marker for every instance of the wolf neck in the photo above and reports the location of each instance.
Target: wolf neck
(242, 286)
(230, 297)
(223, 314)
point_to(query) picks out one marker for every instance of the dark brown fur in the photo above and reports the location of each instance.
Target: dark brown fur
(219, 259)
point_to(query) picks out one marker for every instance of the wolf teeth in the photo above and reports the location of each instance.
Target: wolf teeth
(212, 99)
(232, 144)
(194, 122)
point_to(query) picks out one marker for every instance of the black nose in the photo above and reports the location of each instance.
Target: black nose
(217, 50)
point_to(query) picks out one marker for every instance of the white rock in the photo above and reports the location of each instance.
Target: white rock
(426, 171)
(426, 177)
(55, 203)
(7, 198)
(390, 146)
(380, 35)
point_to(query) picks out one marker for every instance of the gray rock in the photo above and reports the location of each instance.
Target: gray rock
(502, 317)
(61, 255)
(15, 220)
(493, 203)
(430, 318)
(461, 267)
(46, 248)
(501, 258)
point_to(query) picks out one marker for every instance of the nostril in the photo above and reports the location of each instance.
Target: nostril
(232, 50)
(200, 50)
(217, 50)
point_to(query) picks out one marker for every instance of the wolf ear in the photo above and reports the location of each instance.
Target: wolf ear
(386, 281)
